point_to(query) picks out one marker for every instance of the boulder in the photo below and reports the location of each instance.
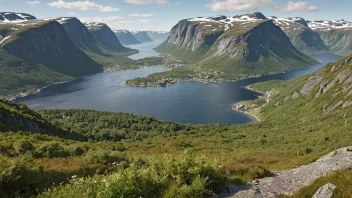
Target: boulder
(325, 191)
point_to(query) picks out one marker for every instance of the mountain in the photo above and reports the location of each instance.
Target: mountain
(126, 37)
(13, 16)
(79, 34)
(105, 37)
(336, 35)
(36, 53)
(142, 36)
(301, 35)
(158, 35)
(325, 94)
(238, 46)
(313, 37)
(15, 117)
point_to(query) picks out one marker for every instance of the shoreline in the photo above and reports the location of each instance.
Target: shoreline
(239, 107)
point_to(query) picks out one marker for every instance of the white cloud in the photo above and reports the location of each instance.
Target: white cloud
(33, 3)
(233, 5)
(301, 6)
(140, 15)
(82, 5)
(112, 19)
(144, 2)
(177, 3)
(144, 21)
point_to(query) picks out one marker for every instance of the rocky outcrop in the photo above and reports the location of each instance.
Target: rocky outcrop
(126, 37)
(325, 191)
(290, 181)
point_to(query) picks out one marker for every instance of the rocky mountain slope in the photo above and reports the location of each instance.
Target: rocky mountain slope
(105, 37)
(142, 36)
(301, 35)
(244, 45)
(317, 36)
(290, 181)
(79, 34)
(15, 117)
(158, 35)
(13, 16)
(336, 35)
(327, 92)
(126, 37)
(39, 52)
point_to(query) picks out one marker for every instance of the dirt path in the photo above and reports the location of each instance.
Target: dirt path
(290, 181)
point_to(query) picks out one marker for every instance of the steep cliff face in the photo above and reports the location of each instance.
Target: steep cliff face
(142, 36)
(105, 37)
(246, 44)
(36, 53)
(338, 41)
(126, 37)
(302, 37)
(47, 43)
(79, 34)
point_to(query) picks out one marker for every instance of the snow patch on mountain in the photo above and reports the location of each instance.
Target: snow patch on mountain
(228, 21)
(328, 25)
(15, 17)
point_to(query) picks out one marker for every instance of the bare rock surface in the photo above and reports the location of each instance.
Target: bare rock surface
(325, 191)
(289, 181)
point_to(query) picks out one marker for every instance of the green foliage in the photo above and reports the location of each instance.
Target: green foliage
(185, 176)
(53, 150)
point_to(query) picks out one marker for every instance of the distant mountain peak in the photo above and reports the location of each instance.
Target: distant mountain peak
(15, 17)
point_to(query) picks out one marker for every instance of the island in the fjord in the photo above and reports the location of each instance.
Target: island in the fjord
(304, 128)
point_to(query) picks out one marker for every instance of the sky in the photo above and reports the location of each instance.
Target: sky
(162, 15)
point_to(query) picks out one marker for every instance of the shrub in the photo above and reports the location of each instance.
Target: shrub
(23, 146)
(186, 176)
(53, 150)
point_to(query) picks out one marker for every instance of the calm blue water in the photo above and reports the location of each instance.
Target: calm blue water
(189, 102)
(145, 50)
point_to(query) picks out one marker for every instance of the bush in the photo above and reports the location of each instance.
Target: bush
(53, 150)
(102, 157)
(186, 176)
(23, 146)
(77, 151)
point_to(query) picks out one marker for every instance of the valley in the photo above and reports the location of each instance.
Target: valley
(241, 106)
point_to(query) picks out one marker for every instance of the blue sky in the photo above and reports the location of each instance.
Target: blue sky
(163, 14)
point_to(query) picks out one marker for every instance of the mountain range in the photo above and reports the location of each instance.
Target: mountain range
(237, 46)
(126, 37)
(131, 38)
(313, 37)
(38, 52)
(142, 36)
